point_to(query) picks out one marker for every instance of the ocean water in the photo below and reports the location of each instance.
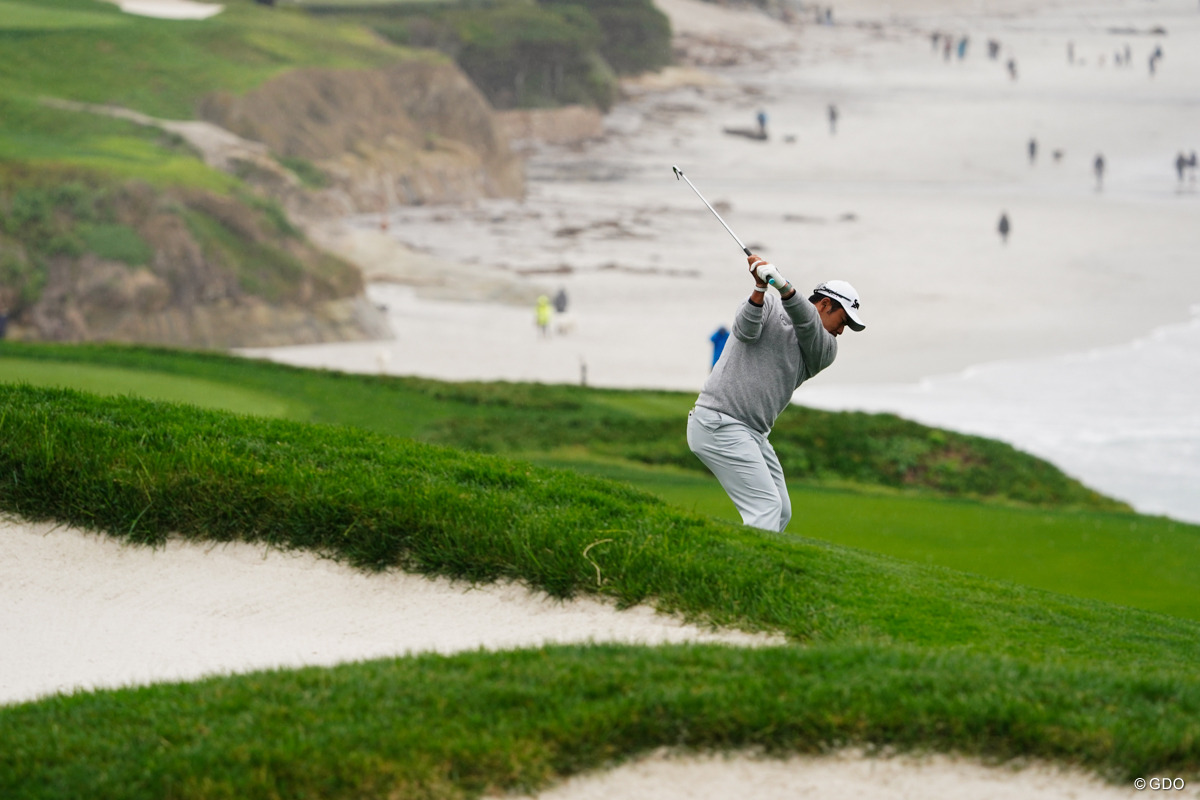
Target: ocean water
(1125, 420)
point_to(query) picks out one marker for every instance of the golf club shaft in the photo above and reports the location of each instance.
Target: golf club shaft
(679, 174)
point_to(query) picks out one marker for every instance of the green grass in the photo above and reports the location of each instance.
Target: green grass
(96, 48)
(434, 727)
(49, 138)
(1136, 560)
(25, 17)
(887, 653)
(156, 386)
(176, 62)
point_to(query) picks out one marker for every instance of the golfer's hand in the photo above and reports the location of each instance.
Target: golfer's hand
(766, 273)
(754, 262)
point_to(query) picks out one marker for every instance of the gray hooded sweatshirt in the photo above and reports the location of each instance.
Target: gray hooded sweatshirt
(775, 347)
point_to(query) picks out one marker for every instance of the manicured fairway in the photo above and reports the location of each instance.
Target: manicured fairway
(151, 385)
(1151, 563)
(28, 17)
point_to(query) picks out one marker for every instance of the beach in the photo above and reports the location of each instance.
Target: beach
(902, 199)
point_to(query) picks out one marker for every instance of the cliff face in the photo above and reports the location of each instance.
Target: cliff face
(414, 133)
(131, 263)
(224, 271)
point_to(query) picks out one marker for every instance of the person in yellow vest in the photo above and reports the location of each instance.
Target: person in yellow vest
(543, 314)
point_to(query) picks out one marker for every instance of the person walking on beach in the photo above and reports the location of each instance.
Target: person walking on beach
(833, 116)
(1032, 151)
(542, 314)
(719, 338)
(779, 341)
(1003, 227)
(1098, 168)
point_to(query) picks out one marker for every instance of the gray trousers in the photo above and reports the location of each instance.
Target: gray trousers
(745, 464)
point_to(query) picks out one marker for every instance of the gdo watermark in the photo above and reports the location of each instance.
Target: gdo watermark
(1160, 784)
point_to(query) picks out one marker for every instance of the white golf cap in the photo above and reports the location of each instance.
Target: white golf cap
(844, 293)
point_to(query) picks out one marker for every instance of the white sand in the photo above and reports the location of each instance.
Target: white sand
(81, 611)
(169, 9)
(848, 775)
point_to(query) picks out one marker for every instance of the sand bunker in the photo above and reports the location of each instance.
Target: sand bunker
(849, 775)
(85, 611)
(169, 9)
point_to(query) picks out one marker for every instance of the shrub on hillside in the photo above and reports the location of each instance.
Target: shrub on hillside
(527, 55)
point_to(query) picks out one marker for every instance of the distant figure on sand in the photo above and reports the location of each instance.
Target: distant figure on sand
(1004, 228)
(564, 323)
(1012, 68)
(758, 133)
(1032, 150)
(1181, 163)
(542, 312)
(1098, 168)
(718, 339)
(833, 116)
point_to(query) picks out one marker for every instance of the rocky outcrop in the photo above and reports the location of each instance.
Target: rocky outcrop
(220, 272)
(224, 271)
(413, 133)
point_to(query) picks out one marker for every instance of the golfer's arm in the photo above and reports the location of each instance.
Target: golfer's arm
(816, 344)
(747, 324)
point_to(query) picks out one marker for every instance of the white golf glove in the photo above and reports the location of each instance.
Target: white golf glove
(768, 274)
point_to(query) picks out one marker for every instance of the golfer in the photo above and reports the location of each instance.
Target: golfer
(778, 343)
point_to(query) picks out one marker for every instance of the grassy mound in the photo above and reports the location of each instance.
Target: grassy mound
(634, 427)
(1086, 550)
(462, 726)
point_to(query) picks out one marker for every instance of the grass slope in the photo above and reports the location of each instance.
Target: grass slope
(451, 727)
(1117, 557)
(893, 653)
(97, 47)
(177, 61)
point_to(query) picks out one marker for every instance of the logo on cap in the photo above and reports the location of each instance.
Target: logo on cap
(823, 289)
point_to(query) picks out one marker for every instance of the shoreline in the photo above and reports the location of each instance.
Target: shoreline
(902, 201)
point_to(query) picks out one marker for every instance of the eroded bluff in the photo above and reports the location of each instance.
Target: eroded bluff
(414, 133)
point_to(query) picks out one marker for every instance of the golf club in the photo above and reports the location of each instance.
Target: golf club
(679, 174)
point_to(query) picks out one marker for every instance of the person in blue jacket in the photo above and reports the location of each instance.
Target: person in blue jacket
(718, 339)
